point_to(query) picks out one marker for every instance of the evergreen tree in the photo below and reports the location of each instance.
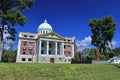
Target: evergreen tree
(11, 13)
(103, 31)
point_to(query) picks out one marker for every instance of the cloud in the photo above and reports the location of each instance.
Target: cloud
(114, 43)
(8, 44)
(85, 43)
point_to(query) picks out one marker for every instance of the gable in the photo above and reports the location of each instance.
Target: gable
(52, 35)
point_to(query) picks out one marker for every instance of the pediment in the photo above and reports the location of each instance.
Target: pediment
(52, 35)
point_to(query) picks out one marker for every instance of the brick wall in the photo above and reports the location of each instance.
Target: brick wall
(27, 47)
(68, 50)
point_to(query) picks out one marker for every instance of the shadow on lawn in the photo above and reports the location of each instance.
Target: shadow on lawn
(117, 65)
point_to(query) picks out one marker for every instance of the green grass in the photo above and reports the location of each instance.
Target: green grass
(19, 71)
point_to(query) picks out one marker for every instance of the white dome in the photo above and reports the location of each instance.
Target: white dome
(44, 28)
(45, 25)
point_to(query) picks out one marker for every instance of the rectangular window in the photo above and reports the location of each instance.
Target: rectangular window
(49, 52)
(50, 45)
(24, 52)
(69, 60)
(30, 51)
(68, 40)
(29, 59)
(69, 53)
(30, 43)
(65, 53)
(42, 51)
(24, 43)
(69, 45)
(25, 35)
(64, 46)
(31, 36)
(23, 59)
(42, 44)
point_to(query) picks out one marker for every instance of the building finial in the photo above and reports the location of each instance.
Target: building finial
(45, 21)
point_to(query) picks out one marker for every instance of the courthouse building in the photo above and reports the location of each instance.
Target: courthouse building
(46, 46)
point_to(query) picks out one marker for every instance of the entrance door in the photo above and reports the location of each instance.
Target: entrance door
(51, 60)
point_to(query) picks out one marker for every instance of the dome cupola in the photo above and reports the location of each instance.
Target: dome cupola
(44, 28)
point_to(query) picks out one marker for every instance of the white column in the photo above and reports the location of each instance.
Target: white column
(72, 50)
(45, 31)
(40, 47)
(47, 47)
(55, 48)
(62, 44)
(19, 47)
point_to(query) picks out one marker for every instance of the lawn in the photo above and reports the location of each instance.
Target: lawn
(35, 71)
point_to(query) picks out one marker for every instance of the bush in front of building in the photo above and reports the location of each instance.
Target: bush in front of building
(91, 55)
(9, 56)
(76, 57)
(102, 57)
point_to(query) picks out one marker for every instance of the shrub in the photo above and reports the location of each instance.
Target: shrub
(9, 56)
(102, 57)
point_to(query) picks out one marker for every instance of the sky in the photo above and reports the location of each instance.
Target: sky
(70, 18)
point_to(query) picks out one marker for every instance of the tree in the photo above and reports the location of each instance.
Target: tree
(111, 54)
(91, 56)
(117, 51)
(103, 31)
(11, 13)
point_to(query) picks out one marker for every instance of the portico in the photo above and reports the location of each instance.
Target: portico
(51, 48)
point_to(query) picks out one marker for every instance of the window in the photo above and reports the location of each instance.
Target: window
(25, 35)
(49, 52)
(64, 46)
(65, 60)
(69, 60)
(29, 59)
(42, 51)
(24, 43)
(64, 51)
(69, 46)
(68, 40)
(50, 45)
(24, 51)
(65, 54)
(42, 44)
(31, 43)
(30, 51)
(23, 59)
(69, 53)
(31, 36)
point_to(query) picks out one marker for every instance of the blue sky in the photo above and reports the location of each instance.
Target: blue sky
(70, 18)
